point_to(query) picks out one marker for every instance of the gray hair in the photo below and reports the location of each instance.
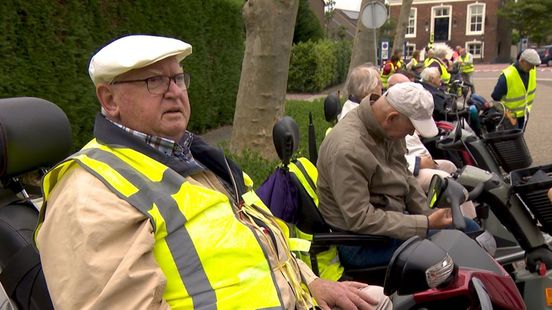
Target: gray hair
(429, 73)
(440, 52)
(362, 81)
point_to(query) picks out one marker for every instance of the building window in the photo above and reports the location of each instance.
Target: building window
(475, 48)
(411, 27)
(475, 23)
(410, 48)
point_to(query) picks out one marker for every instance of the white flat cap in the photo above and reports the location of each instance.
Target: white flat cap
(133, 52)
(531, 56)
(413, 101)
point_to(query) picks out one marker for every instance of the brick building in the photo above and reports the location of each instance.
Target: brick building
(469, 23)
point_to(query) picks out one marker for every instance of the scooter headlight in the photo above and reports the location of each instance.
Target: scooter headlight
(418, 265)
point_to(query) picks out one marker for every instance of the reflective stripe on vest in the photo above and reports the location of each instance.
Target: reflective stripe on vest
(467, 67)
(445, 75)
(518, 98)
(329, 266)
(385, 77)
(207, 271)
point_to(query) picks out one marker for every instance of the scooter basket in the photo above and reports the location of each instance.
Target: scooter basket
(509, 149)
(532, 185)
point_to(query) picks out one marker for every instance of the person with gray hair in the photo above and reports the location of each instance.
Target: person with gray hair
(516, 87)
(431, 81)
(364, 185)
(364, 80)
(148, 216)
(440, 62)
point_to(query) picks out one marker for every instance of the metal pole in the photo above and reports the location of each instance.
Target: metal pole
(374, 31)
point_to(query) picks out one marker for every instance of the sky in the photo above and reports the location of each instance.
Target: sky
(353, 5)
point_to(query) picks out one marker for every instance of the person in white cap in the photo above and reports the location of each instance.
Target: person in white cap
(148, 216)
(516, 87)
(364, 185)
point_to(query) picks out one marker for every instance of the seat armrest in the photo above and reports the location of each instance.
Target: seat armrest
(346, 238)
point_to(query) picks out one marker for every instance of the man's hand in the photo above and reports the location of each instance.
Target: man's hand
(440, 218)
(426, 162)
(344, 295)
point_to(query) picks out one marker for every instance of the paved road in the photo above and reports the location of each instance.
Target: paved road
(539, 128)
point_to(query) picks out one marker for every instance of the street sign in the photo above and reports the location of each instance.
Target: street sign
(373, 15)
(384, 50)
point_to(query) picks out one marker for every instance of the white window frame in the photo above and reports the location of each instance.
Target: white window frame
(469, 16)
(433, 17)
(415, 18)
(413, 45)
(475, 56)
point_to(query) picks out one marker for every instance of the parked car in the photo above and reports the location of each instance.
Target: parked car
(545, 53)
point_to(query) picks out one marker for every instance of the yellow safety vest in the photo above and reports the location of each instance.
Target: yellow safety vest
(467, 67)
(517, 97)
(445, 75)
(426, 61)
(329, 266)
(224, 269)
(385, 77)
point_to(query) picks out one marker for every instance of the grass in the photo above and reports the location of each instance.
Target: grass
(258, 168)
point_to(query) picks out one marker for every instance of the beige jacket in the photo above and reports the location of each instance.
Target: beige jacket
(364, 185)
(96, 249)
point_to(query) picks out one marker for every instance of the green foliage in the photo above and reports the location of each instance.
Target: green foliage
(47, 46)
(258, 168)
(529, 17)
(316, 66)
(307, 25)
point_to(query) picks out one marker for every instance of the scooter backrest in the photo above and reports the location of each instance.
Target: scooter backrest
(34, 133)
(285, 135)
(332, 108)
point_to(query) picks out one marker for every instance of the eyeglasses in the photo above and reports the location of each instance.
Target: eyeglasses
(374, 97)
(159, 84)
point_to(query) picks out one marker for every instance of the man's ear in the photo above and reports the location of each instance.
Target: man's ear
(392, 116)
(107, 100)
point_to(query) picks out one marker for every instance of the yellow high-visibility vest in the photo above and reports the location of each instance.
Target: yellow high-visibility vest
(518, 98)
(445, 75)
(227, 268)
(467, 67)
(385, 77)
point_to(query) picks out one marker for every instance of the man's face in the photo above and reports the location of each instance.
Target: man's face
(397, 126)
(525, 66)
(164, 115)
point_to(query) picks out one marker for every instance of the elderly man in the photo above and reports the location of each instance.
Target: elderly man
(363, 81)
(147, 216)
(363, 182)
(431, 81)
(516, 87)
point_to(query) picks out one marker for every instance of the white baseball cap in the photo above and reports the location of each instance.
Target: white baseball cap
(133, 52)
(416, 103)
(531, 56)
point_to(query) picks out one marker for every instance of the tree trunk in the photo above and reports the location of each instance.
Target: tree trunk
(402, 23)
(260, 101)
(363, 45)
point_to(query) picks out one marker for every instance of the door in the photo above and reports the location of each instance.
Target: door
(441, 27)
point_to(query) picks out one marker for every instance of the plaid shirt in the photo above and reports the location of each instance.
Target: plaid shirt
(167, 146)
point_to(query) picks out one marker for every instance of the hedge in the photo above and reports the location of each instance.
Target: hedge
(47, 45)
(315, 66)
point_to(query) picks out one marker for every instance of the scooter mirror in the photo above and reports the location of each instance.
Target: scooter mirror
(421, 261)
(332, 108)
(436, 189)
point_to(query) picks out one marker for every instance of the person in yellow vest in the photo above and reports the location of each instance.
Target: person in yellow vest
(465, 61)
(148, 216)
(390, 67)
(428, 57)
(414, 61)
(440, 62)
(516, 86)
